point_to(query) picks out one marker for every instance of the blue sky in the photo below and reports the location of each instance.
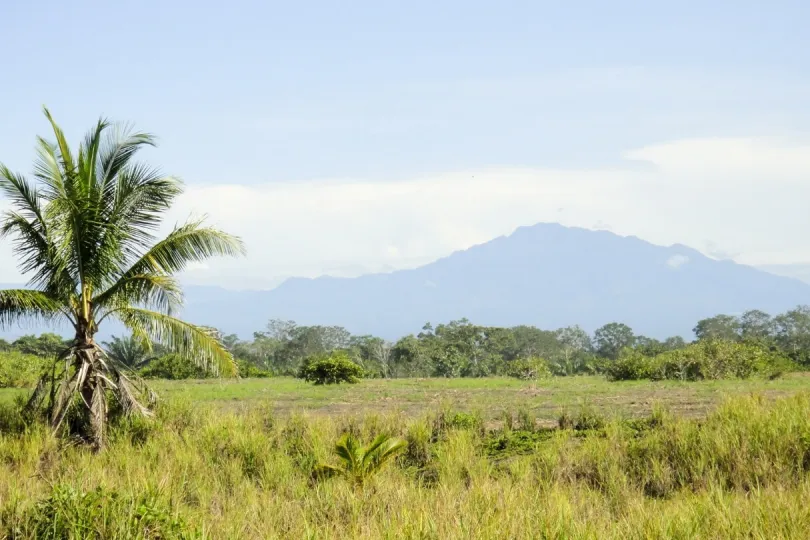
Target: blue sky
(407, 119)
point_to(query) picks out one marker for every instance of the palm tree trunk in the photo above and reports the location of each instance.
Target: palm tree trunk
(91, 386)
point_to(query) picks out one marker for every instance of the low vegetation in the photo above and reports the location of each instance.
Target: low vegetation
(334, 368)
(703, 360)
(742, 471)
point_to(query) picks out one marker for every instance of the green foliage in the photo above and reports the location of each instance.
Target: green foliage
(45, 345)
(706, 359)
(249, 370)
(335, 368)
(128, 351)
(100, 513)
(360, 463)
(84, 232)
(173, 367)
(610, 339)
(740, 470)
(529, 369)
(19, 370)
(719, 327)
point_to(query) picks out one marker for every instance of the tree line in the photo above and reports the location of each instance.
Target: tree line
(458, 348)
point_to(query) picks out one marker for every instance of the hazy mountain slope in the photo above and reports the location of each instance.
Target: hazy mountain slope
(546, 275)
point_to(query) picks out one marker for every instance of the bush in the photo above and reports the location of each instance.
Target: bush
(632, 365)
(528, 369)
(174, 367)
(19, 370)
(704, 360)
(249, 370)
(335, 368)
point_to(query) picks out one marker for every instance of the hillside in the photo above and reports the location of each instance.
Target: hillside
(546, 275)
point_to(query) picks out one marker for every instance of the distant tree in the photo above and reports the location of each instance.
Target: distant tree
(301, 342)
(46, 345)
(649, 346)
(756, 324)
(792, 334)
(373, 353)
(449, 362)
(410, 358)
(462, 339)
(530, 342)
(610, 339)
(674, 343)
(575, 344)
(724, 327)
(280, 330)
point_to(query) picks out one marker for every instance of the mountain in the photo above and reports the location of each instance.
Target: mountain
(798, 271)
(546, 275)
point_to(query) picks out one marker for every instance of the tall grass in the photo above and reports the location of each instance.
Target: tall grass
(744, 471)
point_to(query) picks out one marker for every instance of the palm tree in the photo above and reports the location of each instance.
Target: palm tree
(360, 463)
(128, 351)
(83, 231)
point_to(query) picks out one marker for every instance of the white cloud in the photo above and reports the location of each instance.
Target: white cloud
(744, 196)
(739, 195)
(677, 261)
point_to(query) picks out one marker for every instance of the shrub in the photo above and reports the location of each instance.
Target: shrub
(335, 368)
(708, 359)
(359, 463)
(632, 365)
(19, 370)
(529, 369)
(174, 367)
(249, 370)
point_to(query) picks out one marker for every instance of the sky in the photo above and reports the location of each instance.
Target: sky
(345, 138)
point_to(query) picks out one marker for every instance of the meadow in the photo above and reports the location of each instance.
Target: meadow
(573, 457)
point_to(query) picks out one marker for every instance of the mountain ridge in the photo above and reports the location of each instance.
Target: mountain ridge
(546, 275)
(586, 274)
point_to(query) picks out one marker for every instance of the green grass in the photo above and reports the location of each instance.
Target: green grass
(235, 460)
(491, 396)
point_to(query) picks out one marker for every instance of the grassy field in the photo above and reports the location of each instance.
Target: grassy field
(235, 460)
(489, 397)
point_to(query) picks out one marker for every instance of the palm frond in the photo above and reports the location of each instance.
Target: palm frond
(381, 451)
(89, 157)
(48, 170)
(346, 449)
(22, 195)
(196, 343)
(65, 156)
(132, 211)
(191, 242)
(118, 149)
(153, 291)
(17, 305)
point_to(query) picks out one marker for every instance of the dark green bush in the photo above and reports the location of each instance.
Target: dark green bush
(335, 368)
